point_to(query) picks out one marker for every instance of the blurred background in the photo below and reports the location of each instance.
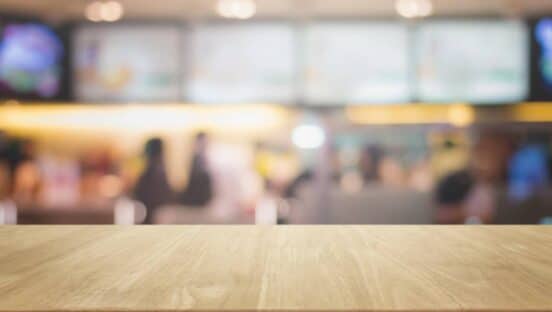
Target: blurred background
(275, 112)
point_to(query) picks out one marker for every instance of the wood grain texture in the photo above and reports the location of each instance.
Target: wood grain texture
(246, 268)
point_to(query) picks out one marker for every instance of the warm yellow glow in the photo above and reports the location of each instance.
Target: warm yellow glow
(461, 115)
(147, 119)
(532, 112)
(153, 118)
(456, 114)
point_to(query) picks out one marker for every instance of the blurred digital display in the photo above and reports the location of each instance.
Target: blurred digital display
(30, 61)
(241, 63)
(474, 61)
(127, 63)
(356, 62)
(543, 35)
(542, 60)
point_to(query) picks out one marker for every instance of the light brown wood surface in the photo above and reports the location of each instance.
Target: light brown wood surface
(246, 268)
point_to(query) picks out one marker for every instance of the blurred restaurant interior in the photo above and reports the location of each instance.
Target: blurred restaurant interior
(275, 112)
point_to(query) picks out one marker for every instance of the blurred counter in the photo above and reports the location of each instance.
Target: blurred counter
(122, 211)
(271, 268)
(65, 216)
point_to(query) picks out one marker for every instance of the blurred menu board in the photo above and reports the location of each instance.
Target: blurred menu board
(127, 62)
(242, 63)
(356, 62)
(474, 61)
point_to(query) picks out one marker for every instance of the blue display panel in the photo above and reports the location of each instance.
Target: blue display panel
(31, 60)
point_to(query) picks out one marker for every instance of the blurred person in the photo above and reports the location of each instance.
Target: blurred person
(263, 163)
(4, 167)
(392, 172)
(490, 157)
(333, 161)
(262, 160)
(97, 166)
(18, 151)
(26, 182)
(420, 177)
(294, 187)
(451, 195)
(463, 198)
(529, 168)
(26, 174)
(488, 168)
(480, 206)
(449, 152)
(266, 209)
(351, 182)
(333, 175)
(60, 181)
(4, 180)
(153, 188)
(275, 165)
(4, 142)
(370, 162)
(199, 190)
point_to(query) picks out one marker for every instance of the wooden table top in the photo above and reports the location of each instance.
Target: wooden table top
(246, 268)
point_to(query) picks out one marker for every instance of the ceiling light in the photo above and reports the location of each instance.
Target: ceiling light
(93, 12)
(414, 8)
(100, 11)
(112, 11)
(239, 9)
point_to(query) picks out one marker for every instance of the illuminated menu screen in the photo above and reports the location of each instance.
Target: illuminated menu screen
(474, 61)
(350, 62)
(127, 63)
(242, 63)
(30, 61)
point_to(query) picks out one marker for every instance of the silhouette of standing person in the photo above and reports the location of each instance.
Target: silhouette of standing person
(199, 191)
(153, 189)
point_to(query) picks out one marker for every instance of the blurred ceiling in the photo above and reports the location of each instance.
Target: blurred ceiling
(59, 10)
